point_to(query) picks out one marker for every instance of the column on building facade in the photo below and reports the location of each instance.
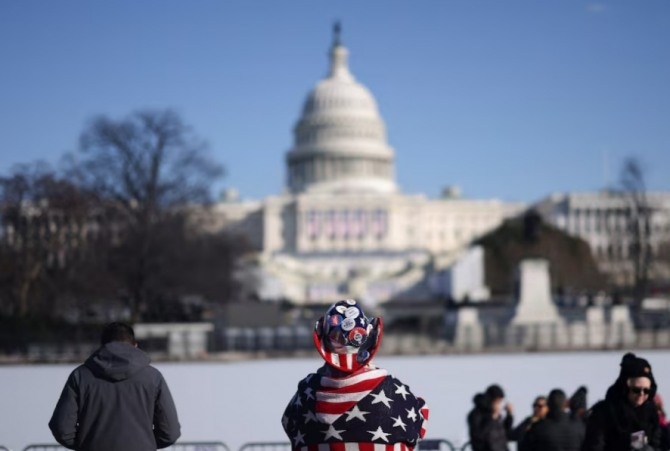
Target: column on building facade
(318, 168)
(327, 169)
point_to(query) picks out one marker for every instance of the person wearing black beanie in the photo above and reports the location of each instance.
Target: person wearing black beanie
(626, 419)
(578, 404)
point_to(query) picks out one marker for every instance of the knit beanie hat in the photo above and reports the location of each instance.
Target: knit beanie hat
(633, 366)
(578, 399)
(345, 337)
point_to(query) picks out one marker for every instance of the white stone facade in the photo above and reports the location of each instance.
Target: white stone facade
(343, 228)
(340, 140)
(602, 219)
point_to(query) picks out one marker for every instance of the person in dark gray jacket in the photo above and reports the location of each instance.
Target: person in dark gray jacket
(557, 431)
(116, 401)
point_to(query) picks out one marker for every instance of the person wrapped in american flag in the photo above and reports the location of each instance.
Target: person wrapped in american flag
(349, 404)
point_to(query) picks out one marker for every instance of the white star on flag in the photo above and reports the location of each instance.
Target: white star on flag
(399, 424)
(356, 413)
(309, 416)
(299, 438)
(379, 434)
(402, 391)
(297, 401)
(331, 432)
(411, 414)
(284, 421)
(308, 393)
(381, 397)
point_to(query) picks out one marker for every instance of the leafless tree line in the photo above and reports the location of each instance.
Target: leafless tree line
(112, 227)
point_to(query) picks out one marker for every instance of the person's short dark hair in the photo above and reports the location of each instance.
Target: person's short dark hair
(556, 400)
(495, 391)
(540, 398)
(117, 331)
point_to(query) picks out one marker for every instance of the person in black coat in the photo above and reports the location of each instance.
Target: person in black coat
(116, 401)
(578, 405)
(488, 428)
(626, 419)
(556, 432)
(539, 412)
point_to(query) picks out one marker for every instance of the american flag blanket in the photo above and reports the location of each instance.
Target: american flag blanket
(368, 410)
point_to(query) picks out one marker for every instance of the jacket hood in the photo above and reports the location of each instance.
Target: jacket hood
(619, 390)
(482, 402)
(631, 366)
(117, 361)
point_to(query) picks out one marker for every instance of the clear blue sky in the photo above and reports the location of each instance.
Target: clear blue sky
(508, 99)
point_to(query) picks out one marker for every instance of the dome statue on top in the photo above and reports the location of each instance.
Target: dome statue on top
(340, 139)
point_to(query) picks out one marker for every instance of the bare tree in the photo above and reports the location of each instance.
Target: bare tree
(639, 215)
(151, 166)
(118, 226)
(41, 218)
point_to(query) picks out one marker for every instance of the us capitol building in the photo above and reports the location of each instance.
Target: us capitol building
(343, 228)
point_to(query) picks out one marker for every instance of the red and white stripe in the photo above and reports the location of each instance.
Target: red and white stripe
(328, 224)
(342, 223)
(344, 361)
(337, 395)
(425, 411)
(355, 447)
(355, 223)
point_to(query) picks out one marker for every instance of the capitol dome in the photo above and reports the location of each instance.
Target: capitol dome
(340, 139)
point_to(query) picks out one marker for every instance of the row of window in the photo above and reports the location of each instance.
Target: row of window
(337, 168)
(346, 223)
(322, 134)
(337, 102)
(619, 251)
(606, 223)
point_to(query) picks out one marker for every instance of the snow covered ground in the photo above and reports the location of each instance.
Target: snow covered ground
(243, 401)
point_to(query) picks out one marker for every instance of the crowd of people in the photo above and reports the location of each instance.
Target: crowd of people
(631, 417)
(116, 401)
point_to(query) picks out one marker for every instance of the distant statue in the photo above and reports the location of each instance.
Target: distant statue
(337, 32)
(532, 223)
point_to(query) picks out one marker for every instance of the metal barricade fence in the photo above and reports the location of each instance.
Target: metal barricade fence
(266, 446)
(512, 446)
(199, 446)
(436, 445)
(44, 447)
(179, 446)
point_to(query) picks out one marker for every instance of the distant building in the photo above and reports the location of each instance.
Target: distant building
(603, 220)
(343, 227)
